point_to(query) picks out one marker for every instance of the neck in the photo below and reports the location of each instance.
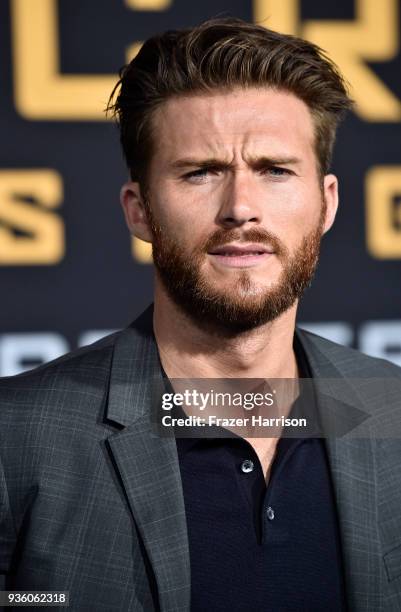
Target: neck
(188, 350)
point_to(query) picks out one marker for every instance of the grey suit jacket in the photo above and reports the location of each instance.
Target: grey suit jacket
(91, 499)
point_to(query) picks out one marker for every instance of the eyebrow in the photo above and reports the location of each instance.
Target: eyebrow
(256, 162)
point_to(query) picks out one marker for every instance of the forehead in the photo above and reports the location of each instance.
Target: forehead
(245, 119)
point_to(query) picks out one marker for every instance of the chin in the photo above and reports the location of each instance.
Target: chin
(246, 290)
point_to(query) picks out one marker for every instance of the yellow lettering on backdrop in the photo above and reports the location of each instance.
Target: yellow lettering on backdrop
(383, 212)
(280, 15)
(148, 5)
(141, 250)
(45, 243)
(41, 91)
(371, 37)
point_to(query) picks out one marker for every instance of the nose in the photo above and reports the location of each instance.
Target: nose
(240, 204)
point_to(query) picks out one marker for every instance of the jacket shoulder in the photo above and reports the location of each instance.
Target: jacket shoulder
(93, 353)
(350, 362)
(78, 377)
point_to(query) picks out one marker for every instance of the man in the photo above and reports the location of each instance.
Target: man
(227, 130)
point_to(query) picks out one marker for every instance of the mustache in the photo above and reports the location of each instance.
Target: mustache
(222, 237)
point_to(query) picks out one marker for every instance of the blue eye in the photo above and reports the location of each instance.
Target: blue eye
(276, 171)
(200, 172)
(197, 176)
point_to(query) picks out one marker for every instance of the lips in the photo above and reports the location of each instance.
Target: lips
(234, 256)
(240, 250)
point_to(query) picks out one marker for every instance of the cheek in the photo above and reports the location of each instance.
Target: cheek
(287, 219)
(298, 206)
(182, 221)
(294, 218)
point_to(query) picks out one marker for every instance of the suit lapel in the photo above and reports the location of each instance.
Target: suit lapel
(149, 470)
(353, 467)
(147, 465)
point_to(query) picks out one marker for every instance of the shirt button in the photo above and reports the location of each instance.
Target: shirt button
(247, 466)
(270, 513)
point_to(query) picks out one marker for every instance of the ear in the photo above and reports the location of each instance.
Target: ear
(134, 211)
(330, 191)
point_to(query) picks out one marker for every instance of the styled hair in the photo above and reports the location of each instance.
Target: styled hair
(223, 54)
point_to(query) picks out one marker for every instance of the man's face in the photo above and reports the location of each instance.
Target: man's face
(235, 207)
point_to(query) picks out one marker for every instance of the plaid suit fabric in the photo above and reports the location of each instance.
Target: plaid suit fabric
(91, 499)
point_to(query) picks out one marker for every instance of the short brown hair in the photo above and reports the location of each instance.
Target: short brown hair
(223, 54)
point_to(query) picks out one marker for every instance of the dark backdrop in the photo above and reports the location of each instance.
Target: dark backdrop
(68, 270)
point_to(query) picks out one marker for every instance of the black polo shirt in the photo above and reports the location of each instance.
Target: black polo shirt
(253, 547)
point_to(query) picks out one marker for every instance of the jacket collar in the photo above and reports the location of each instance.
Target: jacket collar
(147, 465)
(149, 469)
(351, 450)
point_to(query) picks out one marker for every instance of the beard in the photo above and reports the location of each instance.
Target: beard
(245, 304)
